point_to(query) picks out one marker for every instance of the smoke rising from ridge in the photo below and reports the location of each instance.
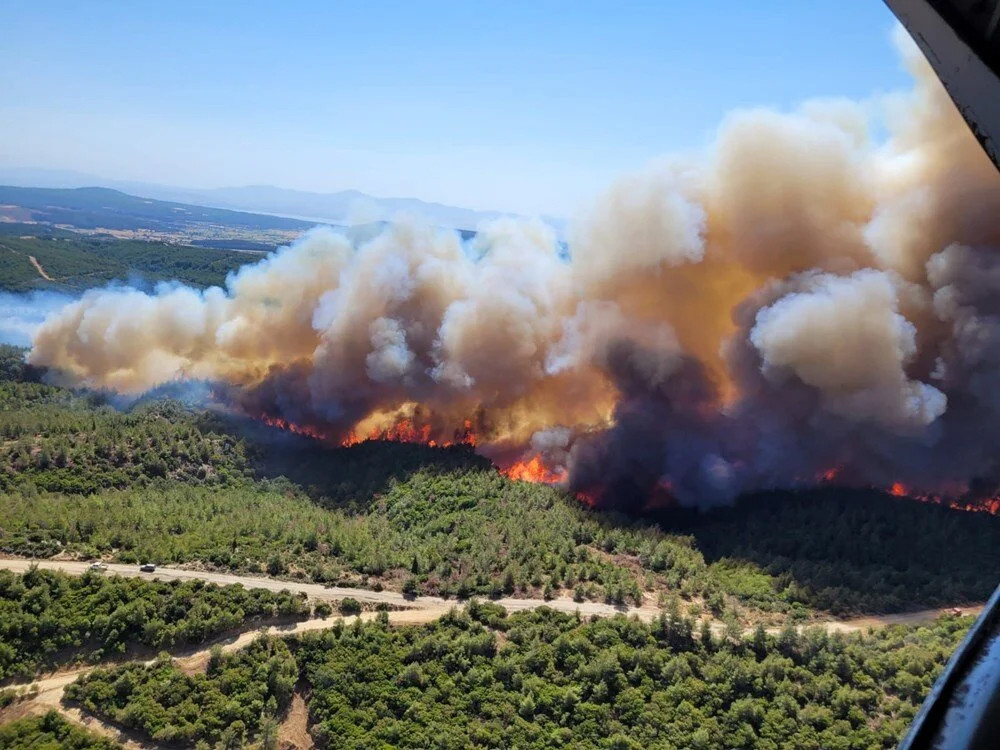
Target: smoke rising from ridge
(798, 302)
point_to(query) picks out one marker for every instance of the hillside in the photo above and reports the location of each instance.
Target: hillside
(70, 240)
(539, 679)
(95, 207)
(341, 207)
(74, 263)
(186, 485)
(178, 484)
(852, 550)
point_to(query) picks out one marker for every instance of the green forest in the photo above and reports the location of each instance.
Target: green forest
(163, 481)
(542, 679)
(239, 694)
(855, 551)
(175, 479)
(75, 263)
(96, 207)
(50, 732)
(48, 618)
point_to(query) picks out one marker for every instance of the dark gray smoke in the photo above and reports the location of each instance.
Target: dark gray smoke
(800, 304)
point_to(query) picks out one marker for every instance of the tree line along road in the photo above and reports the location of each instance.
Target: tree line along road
(428, 608)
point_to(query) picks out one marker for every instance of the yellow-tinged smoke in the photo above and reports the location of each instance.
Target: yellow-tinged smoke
(799, 298)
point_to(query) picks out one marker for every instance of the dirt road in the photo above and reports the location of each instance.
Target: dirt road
(917, 617)
(50, 690)
(433, 604)
(420, 610)
(38, 267)
(428, 608)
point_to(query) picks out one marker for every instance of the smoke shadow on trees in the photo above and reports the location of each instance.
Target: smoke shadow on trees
(852, 551)
(846, 551)
(350, 477)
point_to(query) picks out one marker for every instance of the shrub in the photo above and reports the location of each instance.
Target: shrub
(350, 606)
(411, 588)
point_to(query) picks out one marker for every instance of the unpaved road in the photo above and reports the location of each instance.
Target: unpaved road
(918, 617)
(38, 267)
(50, 689)
(427, 608)
(430, 604)
(34, 262)
(420, 610)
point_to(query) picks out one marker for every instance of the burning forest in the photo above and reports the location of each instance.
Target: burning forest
(801, 304)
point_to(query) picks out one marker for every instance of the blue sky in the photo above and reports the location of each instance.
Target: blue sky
(524, 106)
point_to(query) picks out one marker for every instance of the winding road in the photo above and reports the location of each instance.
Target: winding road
(418, 610)
(428, 608)
(432, 606)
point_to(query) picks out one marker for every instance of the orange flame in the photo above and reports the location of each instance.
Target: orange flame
(990, 505)
(588, 498)
(534, 470)
(284, 424)
(405, 431)
(830, 474)
(402, 431)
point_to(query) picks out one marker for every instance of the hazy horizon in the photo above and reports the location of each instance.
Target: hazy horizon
(48, 177)
(524, 108)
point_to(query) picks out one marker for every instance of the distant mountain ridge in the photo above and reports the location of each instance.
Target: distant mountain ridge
(344, 207)
(107, 208)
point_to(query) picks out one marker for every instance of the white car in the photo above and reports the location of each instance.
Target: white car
(98, 566)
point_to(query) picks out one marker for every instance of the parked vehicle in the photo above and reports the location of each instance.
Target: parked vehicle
(99, 566)
(147, 568)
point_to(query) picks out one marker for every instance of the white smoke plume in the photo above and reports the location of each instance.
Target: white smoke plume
(844, 337)
(798, 301)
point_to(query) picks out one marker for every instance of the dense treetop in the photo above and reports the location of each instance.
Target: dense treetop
(541, 679)
(240, 693)
(49, 618)
(856, 551)
(174, 483)
(50, 732)
(75, 263)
